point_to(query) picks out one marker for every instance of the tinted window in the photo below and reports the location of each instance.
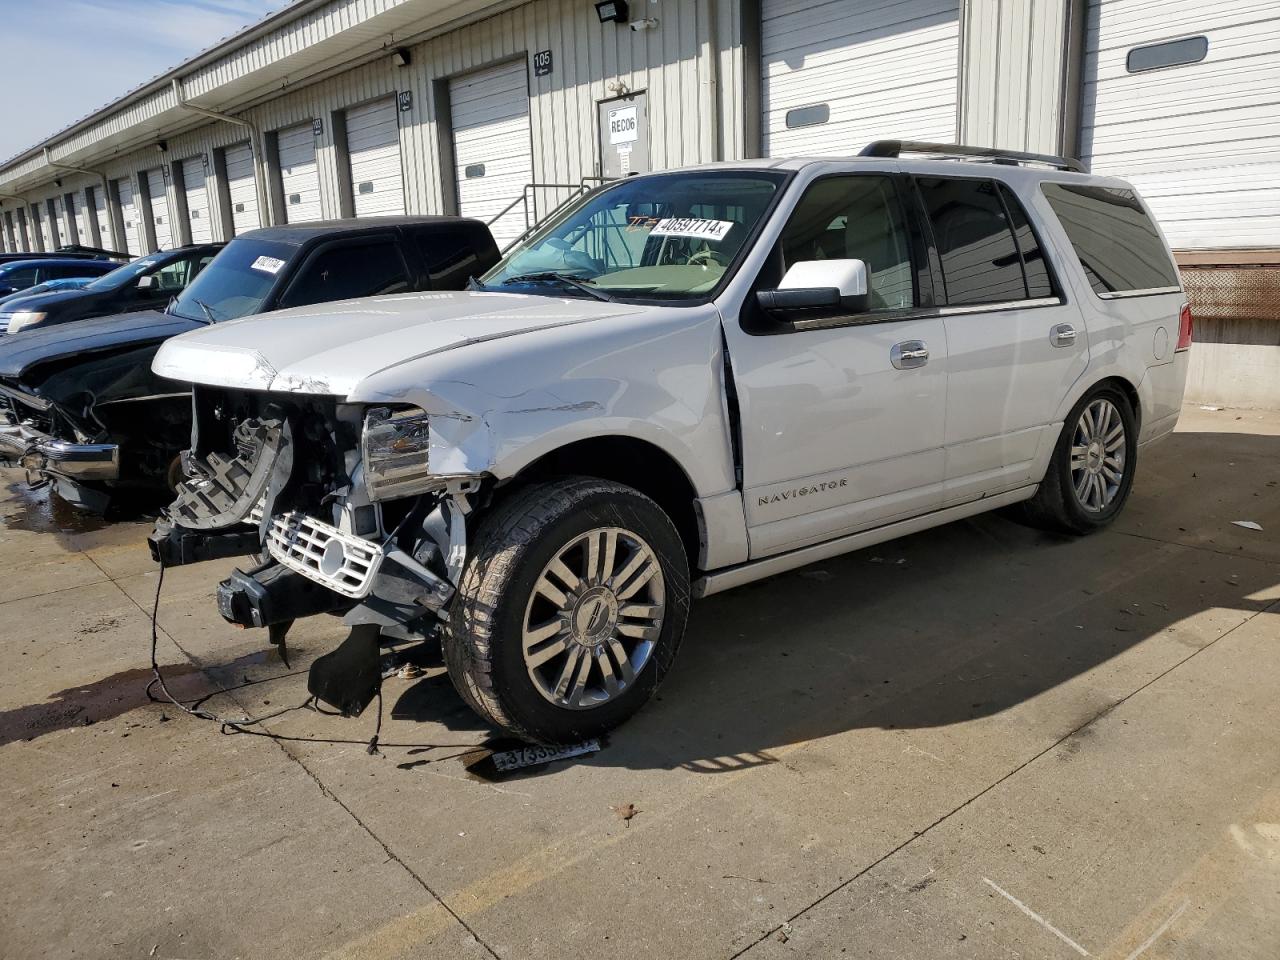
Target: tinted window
(236, 281)
(854, 218)
(450, 258)
(1118, 246)
(1034, 266)
(980, 260)
(18, 278)
(346, 271)
(1171, 54)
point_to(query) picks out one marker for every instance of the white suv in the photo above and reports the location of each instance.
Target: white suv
(684, 382)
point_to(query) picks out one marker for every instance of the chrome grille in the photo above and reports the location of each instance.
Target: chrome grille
(341, 561)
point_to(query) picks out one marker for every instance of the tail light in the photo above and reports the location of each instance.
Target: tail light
(1184, 328)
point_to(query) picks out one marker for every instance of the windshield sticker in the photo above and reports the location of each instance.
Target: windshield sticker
(692, 227)
(267, 265)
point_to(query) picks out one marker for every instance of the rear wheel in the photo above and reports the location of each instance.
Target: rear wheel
(1091, 473)
(570, 610)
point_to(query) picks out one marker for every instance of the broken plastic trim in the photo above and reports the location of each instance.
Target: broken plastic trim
(220, 491)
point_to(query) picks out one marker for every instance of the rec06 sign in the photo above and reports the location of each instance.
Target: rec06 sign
(624, 125)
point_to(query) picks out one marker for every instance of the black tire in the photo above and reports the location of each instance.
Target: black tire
(1056, 505)
(510, 548)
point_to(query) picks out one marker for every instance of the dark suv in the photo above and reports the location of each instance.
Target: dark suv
(17, 275)
(79, 404)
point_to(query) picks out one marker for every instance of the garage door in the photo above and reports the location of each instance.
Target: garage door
(105, 239)
(129, 217)
(58, 220)
(1183, 98)
(160, 219)
(78, 214)
(198, 214)
(492, 145)
(242, 188)
(861, 70)
(299, 176)
(373, 142)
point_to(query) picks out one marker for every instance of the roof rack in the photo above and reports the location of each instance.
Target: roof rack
(894, 148)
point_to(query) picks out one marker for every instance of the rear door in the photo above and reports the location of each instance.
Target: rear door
(1014, 345)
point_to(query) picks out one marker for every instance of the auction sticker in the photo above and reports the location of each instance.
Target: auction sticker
(692, 227)
(267, 265)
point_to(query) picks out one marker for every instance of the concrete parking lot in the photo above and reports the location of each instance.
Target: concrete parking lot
(980, 741)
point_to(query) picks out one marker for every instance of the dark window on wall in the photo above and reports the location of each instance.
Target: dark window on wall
(1173, 53)
(347, 271)
(808, 116)
(1034, 265)
(1119, 247)
(976, 246)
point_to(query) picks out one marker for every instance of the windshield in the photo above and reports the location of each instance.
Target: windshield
(664, 237)
(235, 282)
(121, 276)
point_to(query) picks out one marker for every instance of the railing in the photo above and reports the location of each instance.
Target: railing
(529, 203)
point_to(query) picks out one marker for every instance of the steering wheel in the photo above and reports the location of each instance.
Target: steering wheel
(705, 257)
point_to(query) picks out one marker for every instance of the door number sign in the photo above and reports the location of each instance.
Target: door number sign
(542, 65)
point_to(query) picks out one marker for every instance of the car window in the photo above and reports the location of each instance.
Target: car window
(122, 276)
(18, 278)
(348, 270)
(1035, 266)
(236, 281)
(449, 257)
(174, 277)
(1119, 247)
(975, 242)
(855, 218)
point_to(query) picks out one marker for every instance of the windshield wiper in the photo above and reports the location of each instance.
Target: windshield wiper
(578, 283)
(208, 310)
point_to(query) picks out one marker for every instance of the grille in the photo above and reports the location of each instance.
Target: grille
(342, 562)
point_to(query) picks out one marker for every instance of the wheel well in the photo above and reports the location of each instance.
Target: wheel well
(1129, 390)
(636, 463)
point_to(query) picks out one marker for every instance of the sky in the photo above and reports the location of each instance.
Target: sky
(64, 59)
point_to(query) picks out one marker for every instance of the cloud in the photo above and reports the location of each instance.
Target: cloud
(64, 59)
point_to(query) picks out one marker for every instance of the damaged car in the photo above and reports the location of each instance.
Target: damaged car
(81, 407)
(684, 382)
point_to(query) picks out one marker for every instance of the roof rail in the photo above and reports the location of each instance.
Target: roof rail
(894, 148)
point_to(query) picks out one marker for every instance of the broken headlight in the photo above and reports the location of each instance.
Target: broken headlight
(394, 448)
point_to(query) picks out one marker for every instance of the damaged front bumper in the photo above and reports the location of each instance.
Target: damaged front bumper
(68, 465)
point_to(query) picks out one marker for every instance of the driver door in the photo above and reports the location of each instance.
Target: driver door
(842, 418)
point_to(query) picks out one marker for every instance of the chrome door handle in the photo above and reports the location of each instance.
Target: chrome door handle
(909, 354)
(1063, 335)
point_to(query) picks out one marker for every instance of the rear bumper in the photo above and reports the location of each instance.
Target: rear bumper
(22, 446)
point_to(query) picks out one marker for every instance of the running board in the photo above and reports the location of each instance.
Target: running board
(732, 577)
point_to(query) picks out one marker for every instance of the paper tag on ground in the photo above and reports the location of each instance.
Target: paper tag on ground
(267, 265)
(692, 227)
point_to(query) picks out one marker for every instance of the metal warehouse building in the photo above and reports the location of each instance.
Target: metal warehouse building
(334, 108)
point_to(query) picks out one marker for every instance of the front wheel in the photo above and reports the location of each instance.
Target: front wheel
(570, 610)
(1091, 473)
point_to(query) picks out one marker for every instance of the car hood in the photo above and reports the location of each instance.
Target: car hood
(22, 351)
(329, 348)
(43, 301)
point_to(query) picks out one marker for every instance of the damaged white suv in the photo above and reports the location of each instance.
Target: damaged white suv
(684, 382)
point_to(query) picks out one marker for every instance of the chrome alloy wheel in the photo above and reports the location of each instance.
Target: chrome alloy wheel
(1098, 455)
(593, 618)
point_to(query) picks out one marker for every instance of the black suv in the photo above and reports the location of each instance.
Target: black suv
(147, 283)
(79, 404)
(18, 275)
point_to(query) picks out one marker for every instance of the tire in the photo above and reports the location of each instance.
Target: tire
(501, 600)
(1058, 504)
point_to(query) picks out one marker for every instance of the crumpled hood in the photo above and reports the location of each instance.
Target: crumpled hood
(22, 351)
(329, 348)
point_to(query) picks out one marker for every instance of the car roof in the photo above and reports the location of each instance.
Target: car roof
(298, 233)
(45, 261)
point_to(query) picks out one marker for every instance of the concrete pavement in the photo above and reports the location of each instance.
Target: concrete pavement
(981, 741)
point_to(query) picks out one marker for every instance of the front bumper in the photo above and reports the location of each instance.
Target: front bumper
(23, 446)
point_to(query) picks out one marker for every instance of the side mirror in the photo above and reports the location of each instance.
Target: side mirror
(813, 289)
(146, 282)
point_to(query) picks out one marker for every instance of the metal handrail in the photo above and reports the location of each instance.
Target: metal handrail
(579, 189)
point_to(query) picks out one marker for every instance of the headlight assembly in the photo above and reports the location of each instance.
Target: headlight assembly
(25, 318)
(394, 448)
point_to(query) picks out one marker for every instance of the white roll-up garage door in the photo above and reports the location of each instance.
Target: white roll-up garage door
(373, 144)
(840, 75)
(1183, 99)
(299, 175)
(78, 213)
(162, 223)
(105, 239)
(199, 216)
(242, 188)
(59, 218)
(129, 217)
(492, 145)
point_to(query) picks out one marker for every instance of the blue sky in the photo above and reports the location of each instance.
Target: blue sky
(63, 59)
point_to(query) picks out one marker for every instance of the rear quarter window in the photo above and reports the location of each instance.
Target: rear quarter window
(1118, 246)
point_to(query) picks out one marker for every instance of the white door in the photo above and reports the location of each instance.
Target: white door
(242, 188)
(105, 239)
(299, 175)
(81, 217)
(160, 219)
(1183, 99)
(840, 432)
(492, 146)
(844, 74)
(59, 231)
(129, 217)
(373, 144)
(199, 215)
